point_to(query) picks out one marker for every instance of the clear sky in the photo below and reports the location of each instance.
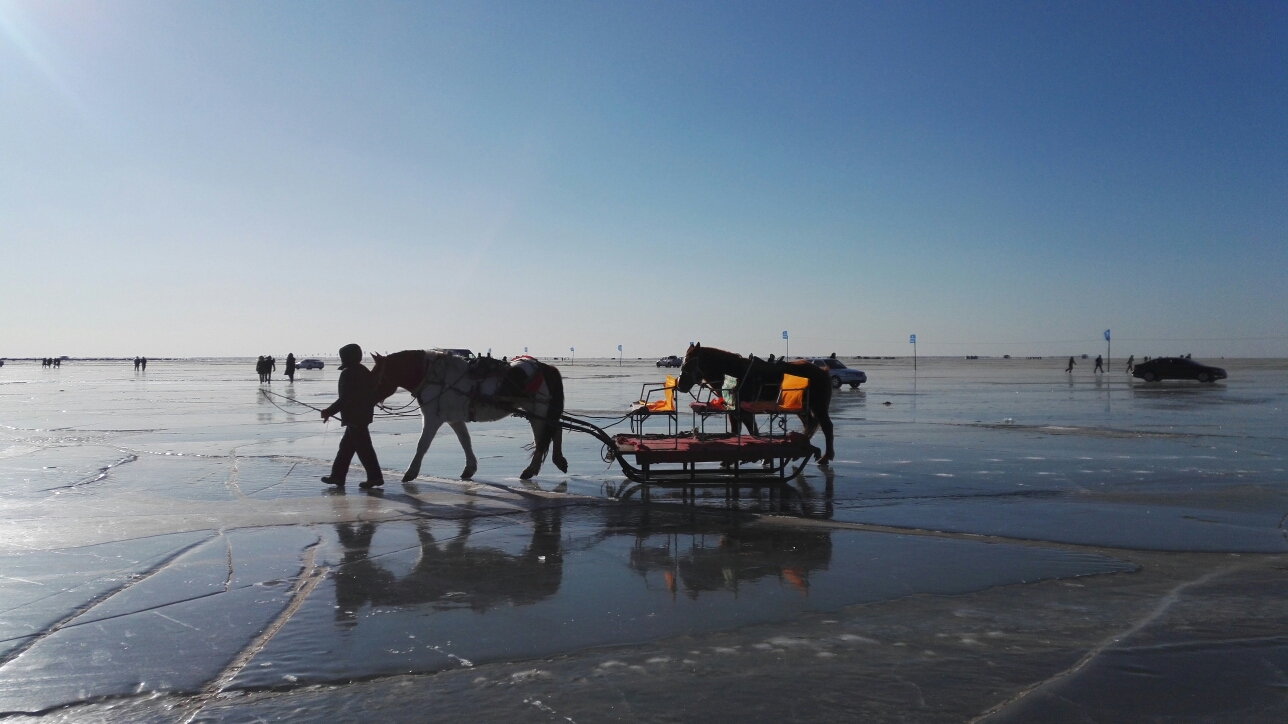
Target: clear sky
(240, 178)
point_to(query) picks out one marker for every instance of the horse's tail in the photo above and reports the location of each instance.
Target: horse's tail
(551, 431)
(820, 401)
(554, 383)
(819, 405)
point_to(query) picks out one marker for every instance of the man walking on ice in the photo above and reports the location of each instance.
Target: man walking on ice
(356, 407)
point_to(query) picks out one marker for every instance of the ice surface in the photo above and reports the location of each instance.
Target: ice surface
(154, 526)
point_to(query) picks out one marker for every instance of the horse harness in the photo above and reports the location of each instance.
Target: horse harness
(496, 383)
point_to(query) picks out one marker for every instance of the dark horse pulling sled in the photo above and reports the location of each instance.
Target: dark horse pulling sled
(452, 391)
(739, 390)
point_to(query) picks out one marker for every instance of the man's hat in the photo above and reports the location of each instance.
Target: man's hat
(350, 354)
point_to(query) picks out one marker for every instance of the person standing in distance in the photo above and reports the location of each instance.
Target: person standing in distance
(356, 407)
(290, 366)
(1100, 364)
(1070, 367)
(1131, 364)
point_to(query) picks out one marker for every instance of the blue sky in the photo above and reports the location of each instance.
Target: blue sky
(230, 178)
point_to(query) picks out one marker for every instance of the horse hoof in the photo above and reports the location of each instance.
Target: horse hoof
(562, 464)
(468, 473)
(408, 478)
(527, 474)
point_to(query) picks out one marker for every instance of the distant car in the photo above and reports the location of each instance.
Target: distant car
(310, 364)
(671, 361)
(840, 374)
(1177, 368)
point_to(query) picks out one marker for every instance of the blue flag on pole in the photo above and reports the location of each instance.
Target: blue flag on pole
(912, 339)
(1106, 335)
(784, 334)
(619, 348)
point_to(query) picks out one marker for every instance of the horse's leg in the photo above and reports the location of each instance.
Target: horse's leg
(540, 443)
(471, 462)
(541, 437)
(554, 410)
(426, 437)
(560, 461)
(825, 422)
(538, 448)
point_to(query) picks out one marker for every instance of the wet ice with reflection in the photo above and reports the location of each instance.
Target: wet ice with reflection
(424, 596)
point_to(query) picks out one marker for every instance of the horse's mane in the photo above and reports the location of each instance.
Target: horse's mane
(722, 353)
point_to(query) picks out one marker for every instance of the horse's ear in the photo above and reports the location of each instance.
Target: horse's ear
(377, 356)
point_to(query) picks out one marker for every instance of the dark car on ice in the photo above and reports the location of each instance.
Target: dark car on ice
(1177, 368)
(671, 361)
(840, 374)
(310, 364)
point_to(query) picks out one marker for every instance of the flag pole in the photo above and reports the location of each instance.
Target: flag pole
(1109, 352)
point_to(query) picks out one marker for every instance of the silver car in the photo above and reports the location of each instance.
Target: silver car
(840, 374)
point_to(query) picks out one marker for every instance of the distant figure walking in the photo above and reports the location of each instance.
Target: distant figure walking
(1100, 364)
(143, 363)
(1131, 364)
(58, 361)
(1071, 364)
(290, 367)
(136, 364)
(357, 408)
(261, 368)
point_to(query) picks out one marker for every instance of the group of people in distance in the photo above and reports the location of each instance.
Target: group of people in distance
(140, 364)
(265, 366)
(1100, 364)
(50, 362)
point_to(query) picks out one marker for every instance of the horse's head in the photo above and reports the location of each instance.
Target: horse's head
(386, 383)
(691, 370)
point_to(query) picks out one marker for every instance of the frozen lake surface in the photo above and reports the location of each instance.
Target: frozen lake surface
(995, 537)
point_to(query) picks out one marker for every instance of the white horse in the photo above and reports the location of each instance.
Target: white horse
(454, 390)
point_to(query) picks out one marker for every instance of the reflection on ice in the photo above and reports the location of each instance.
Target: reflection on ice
(431, 596)
(449, 574)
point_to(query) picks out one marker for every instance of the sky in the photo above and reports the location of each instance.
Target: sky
(243, 178)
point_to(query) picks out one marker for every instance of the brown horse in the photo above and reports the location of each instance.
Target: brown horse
(710, 365)
(453, 390)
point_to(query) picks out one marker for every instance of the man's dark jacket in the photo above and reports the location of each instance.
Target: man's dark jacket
(357, 396)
